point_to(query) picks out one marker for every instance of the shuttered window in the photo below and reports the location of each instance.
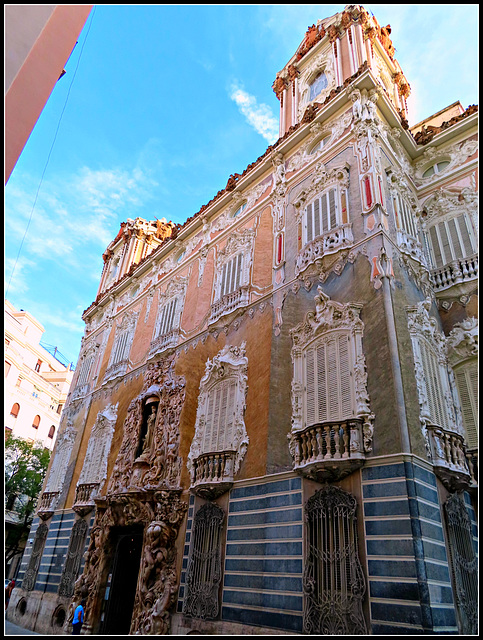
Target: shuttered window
(167, 317)
(450, 240)
(85, 370)
(328, 380)
(231, 275)
(434, 385)
(220, 417)
(121, 348)
(322, 215)
(404, 216)
(467, 383)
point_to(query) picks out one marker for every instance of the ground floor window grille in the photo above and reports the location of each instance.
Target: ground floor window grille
(463, 562)
(204, 565)
(334, 584)
(73, 559)
(37, 551)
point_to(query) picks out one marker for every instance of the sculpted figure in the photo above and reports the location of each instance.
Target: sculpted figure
(148, 440)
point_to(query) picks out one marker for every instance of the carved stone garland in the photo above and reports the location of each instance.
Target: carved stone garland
(144, 490)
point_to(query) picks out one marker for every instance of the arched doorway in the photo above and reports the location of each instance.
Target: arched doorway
(122, 581)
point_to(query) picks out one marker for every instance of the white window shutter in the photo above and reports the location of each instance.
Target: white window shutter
(467, 383)
(310, 386)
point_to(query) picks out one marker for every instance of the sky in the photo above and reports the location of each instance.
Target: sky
(158, 106)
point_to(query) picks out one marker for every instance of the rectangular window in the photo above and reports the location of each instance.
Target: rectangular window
(231, 275)
(322, 215)
(450, 240)
(167, 318)
(38, 365)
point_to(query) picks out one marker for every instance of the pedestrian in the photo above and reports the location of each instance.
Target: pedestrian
(8, 592)
(78, 619)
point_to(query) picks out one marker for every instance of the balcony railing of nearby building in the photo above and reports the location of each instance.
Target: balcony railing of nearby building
(229, 302)
(328, 451)
(455, 273)
(449, 458)
(212, 473)
(335, 239)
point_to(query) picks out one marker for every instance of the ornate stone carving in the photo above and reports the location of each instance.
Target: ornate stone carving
(60, 463)
(462, 342)
(321, 63)
(163, 466)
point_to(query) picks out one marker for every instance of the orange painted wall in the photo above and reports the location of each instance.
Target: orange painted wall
(33, 83)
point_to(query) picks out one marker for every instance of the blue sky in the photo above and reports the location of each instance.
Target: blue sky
(159, 105)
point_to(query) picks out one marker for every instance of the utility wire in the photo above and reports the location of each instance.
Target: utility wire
(50, 152)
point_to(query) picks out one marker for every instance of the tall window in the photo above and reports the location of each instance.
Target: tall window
(434, 378)
(231, 275)
(450, 240)
(464, 563)
(203, 575)
(51, 432)
(220, 426)
(167, 318)
(38, 365)
(85, 369)
(30, 577)
(14, 410)
(404, 216)
(328, 211)
(36, 422)
(328, 379)
(74, 556)
(467, 382)
(334, 584)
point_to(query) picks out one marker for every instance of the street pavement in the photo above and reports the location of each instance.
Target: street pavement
(14, 630)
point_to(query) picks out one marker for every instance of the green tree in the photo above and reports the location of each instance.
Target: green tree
(25, 469)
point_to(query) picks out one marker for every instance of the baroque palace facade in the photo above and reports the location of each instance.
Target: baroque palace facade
(272, 425)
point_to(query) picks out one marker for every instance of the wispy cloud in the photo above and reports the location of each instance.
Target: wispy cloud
(259, 116)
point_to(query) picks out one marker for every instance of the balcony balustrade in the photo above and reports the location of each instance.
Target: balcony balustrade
(116, 371)
(161, 343)
(329, 451)
(229, 303)
(472, 460)
(48, 503)
(449, 458)
(84, 497)
(455, 273)
(329, 242)
(212, 474)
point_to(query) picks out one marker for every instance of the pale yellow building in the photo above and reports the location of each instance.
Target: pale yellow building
(36, 382)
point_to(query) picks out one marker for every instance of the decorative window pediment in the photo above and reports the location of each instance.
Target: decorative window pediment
(220, 440)
(331, 417)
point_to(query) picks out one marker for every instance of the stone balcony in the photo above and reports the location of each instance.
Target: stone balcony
(164, 342)
(472, 460)
(115, 371)
(455, 275)
(449, 458)
(328, 451)
(84, 497)
(212, 474)
(229, 303)
(47, 505)
(335, 239)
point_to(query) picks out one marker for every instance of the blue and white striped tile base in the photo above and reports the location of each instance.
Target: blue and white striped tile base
(409, 582)
(263, 560)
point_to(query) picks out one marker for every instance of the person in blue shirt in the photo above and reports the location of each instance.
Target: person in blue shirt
(78, 619)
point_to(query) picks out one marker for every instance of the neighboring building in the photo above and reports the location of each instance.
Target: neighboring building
(36, 382)
(36, 388)
(272, 427)
(38, 42)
